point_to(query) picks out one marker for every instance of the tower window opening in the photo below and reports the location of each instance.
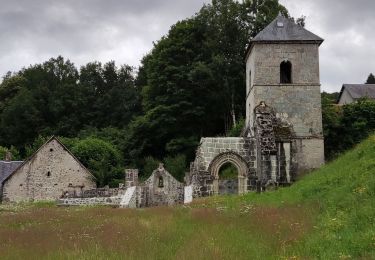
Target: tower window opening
(286, 72)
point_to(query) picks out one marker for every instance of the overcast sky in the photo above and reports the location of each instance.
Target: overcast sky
(123, 30)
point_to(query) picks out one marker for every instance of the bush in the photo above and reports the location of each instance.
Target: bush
(237, 129)
(176, 166)
(347, 126)
(101, 158)
(150, 164)
(12, 150)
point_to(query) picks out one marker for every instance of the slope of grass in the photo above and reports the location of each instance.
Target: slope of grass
(329, 214)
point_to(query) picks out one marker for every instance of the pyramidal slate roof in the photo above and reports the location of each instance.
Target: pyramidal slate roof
(7, 168)
(357, 91)
(283, 29)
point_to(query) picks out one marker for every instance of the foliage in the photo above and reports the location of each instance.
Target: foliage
(370, 79)
(101, 158)
(176, 166)
(150, 164)
(191, 84)
(37, 143)
(14, 152)
(54, 98)
(237, 129)
(329, 214)
(200, 91)
(228, 172)
(346, 126)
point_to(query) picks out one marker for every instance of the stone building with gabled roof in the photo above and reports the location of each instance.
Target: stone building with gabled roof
(350, 93)
(48, 174)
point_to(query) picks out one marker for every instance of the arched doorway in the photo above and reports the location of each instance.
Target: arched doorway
(223, 168)
(228, 179)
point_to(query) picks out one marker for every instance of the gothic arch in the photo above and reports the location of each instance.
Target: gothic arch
(235, 159)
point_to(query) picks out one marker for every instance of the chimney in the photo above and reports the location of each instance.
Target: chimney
(8, 156)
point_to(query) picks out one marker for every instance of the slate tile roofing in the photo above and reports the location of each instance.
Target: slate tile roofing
(357, 91)
(283, 29)
(7, 168)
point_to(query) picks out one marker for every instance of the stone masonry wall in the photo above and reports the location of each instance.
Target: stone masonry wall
(202, 180)
(300, 106)
(47, 176)
(298, 103)
(111, 201)
(161, 188)
(309, 153)
(212, 147)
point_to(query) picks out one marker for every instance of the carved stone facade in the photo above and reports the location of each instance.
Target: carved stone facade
(283, 137)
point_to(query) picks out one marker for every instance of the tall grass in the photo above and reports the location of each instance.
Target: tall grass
(329, 214)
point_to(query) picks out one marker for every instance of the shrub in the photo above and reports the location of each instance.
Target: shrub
(176, 166)
(101, 158)
(150, 164)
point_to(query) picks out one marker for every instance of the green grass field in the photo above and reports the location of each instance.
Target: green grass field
(329, 214)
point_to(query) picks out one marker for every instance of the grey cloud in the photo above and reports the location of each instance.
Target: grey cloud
(123, 30)
(348, 53)
(85, 30)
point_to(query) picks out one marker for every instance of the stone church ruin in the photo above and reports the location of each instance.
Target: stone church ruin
(283, 137)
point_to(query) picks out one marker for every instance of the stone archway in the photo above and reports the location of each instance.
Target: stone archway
(237, 161)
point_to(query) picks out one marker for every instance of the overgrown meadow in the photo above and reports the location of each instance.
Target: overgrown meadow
(329, 214)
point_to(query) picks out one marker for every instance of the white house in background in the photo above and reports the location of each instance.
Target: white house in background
(352, 92)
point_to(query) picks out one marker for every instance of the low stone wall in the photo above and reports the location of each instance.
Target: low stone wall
(110, 201)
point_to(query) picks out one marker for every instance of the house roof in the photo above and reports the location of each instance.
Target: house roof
(357, 91)
(7, 168)
(284, 30)
(32, 156)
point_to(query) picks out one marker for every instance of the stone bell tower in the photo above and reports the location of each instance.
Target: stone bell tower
(283, 103)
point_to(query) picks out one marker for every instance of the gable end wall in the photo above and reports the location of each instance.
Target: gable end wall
(32, 183)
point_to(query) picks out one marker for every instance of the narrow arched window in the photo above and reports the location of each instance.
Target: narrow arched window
(286, 72)
(161, 183)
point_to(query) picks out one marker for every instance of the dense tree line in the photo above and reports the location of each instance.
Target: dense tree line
(193, 81)
(191, 84)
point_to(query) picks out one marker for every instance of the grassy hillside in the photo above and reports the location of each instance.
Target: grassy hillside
(329, 214)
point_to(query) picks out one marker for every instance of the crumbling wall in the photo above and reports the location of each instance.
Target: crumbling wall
(161, 188)
(203, 180)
